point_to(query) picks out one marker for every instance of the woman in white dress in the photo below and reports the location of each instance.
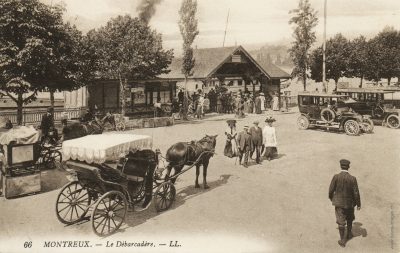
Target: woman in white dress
(269, 139)
(262, 98)
(275, 105)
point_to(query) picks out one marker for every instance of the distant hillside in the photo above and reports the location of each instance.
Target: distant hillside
(277, 54)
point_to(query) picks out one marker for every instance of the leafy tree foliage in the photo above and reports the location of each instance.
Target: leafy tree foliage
(126, 48)
(188, 28)
(358, 59)
(305, 19)
(337, 53)
(384, 55)
(37, 51)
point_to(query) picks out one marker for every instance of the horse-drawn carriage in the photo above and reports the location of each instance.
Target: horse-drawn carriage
(113, 172)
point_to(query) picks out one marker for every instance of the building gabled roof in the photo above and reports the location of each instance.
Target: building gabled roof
(208, 60)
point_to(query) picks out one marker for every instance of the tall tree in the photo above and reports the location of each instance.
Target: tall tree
(304, 20)
(357, 59)
(383, 55)
(337, 53)
(33, 42)
(188, 28)
(126, 48)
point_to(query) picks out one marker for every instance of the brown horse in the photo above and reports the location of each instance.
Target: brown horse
(182, 153)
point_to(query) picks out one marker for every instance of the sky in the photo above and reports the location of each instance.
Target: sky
(251, 22)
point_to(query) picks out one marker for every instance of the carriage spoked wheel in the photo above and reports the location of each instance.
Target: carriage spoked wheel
(164, 196)
(73, 203)
(109, 213)
(136, 190)
(52, 159)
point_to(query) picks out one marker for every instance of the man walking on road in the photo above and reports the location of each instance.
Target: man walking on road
(244, 145)
(344, 194)
(257, 140)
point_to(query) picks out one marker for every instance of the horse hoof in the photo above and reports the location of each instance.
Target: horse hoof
(206, 187)
(197, 186)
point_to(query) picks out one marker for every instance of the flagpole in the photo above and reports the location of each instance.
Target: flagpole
(226, 27)
(325, 84)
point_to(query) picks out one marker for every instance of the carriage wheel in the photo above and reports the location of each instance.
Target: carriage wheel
(52, 159)
(303, 123)
(73, 203)
(393, 121)
(136, 190)
(351, 127)
(120, 126)
(368, 125)
(158, 178)
(164, 196)
(109, 213)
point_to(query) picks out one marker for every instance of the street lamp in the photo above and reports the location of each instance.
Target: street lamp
(325, 84)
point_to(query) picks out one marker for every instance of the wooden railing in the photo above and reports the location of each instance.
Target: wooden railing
(30, 116)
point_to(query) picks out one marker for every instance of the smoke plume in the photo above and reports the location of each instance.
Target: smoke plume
(146, 9)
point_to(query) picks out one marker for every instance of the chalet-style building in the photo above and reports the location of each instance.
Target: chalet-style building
(232, 67)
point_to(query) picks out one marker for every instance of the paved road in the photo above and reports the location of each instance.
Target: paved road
(279, 206)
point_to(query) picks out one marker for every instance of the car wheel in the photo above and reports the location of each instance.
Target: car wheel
(367, 125)
(351, 127)
(303, 123)
(393, 121)
(328, 115)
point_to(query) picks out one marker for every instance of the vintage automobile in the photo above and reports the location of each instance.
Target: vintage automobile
(331, 112)
(375, 103)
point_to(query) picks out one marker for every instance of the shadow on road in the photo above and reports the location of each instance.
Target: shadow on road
(136, 218)
(358, 230)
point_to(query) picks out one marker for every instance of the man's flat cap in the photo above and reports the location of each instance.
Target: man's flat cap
(344, 162)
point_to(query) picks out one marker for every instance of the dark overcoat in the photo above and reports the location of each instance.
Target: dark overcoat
(343, 191)
(256, 135)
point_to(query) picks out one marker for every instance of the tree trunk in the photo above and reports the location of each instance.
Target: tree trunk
(122, 93)
(336, 83)
(305, 81)
(52, 101)
(20, 103)
(185, 103)
(361, 81)
(389, 79)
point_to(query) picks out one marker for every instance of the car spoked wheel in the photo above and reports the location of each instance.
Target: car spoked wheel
(367, 125)
(351, 127)
(328, 115)
(303, 123)
(393, 121)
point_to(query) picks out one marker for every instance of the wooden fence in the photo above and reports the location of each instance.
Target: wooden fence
(31, 116)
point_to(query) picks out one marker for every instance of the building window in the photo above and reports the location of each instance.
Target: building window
(240, 82)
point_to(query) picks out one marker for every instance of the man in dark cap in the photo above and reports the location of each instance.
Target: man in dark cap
(244, 145)
(47, 123)
(344, 194)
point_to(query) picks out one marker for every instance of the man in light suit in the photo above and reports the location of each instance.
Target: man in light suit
(244, 145)
(344, 194)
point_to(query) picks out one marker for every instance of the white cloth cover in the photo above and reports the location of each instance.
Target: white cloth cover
(105, 147)
(21, 135)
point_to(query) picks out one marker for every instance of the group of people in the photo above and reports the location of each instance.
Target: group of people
(251, 140)
(200, 103)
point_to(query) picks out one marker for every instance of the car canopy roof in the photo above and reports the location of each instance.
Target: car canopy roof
(326, 95)
(360, 90)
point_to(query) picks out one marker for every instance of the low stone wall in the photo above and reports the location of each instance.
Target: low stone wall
(149, 122)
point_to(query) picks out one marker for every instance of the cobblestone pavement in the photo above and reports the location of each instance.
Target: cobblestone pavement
(279, 206)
